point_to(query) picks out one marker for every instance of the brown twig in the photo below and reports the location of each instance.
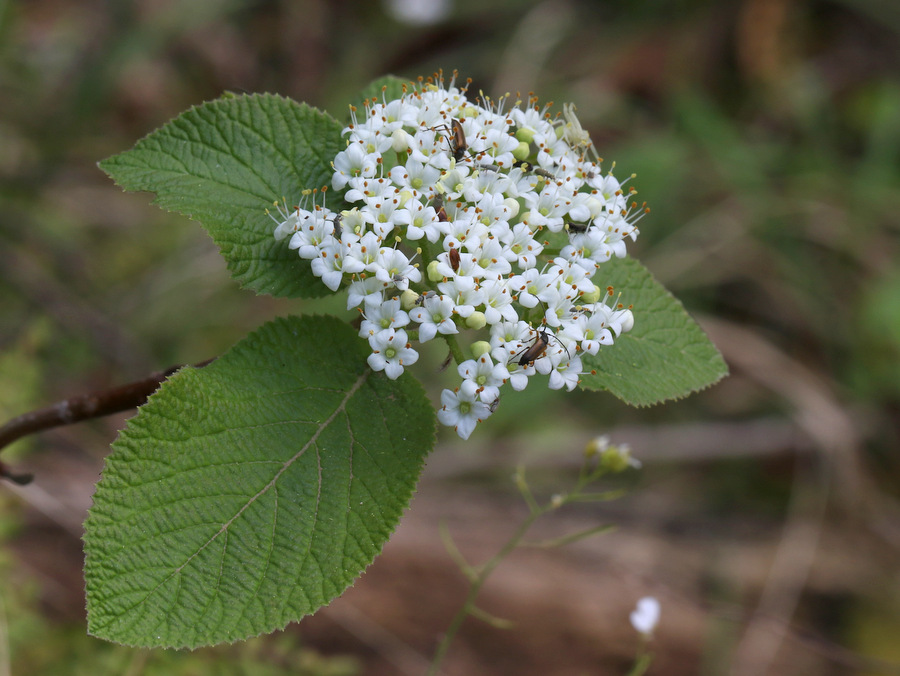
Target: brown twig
(81, 407)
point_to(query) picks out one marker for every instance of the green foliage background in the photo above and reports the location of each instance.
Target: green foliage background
(767, 144)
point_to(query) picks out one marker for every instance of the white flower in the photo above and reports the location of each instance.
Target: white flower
(565, 374)
(391, 352)
(382, 316)
(465, 294)
(435, 317)
(487, 376)
(353, 162)
(361, 290)
(519, 246)
(645, 616)
(462, 410)
(501, 208)
(393, 267)
(498, 301)
(415, 176)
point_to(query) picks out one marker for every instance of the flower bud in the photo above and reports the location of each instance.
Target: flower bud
(513, 205)
(476, 320)
(525, 135)
(522, 152)
(432, 272)
(480, 347)
(596, 446)
(592, 296)
(408, 299)
(401, 141)
(618, 459)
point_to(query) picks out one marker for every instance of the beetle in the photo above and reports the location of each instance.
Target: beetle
(458, 143)
(538, 348)
(453, 255)
(439, 209)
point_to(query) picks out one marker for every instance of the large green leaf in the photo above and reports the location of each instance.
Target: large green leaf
(251, 492)
(225, 163)
(665, 356)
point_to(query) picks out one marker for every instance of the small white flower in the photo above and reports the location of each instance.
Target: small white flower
(435, 317)
(465, 294)
(391, 352)
(487, 376)
(382, 316)
(362, 290)
(498, 301)
(415, 176)
(645, 616)
(565, 374)
(462, 410)
(392, 267)
(353, 162)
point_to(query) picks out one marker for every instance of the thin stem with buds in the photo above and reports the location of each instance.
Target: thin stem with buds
(478, 575)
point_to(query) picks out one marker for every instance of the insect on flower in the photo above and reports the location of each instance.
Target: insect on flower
(453, 255)
(457, 138)
(538, 348)
(439, 209)
(420, 301)
(458, 144)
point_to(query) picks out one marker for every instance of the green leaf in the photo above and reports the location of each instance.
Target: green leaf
(665, 356)
(251, 492)
(224, 163)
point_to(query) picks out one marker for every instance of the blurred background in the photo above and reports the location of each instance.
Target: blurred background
(765, 135)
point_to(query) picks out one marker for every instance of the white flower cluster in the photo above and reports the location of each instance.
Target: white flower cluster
(510, 220)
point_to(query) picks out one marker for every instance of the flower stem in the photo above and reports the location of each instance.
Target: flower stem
(483, 572)
(455, 349)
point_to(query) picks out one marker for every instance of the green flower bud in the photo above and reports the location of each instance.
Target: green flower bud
(476, 320)
(433, 274)
(408, 299)
(592, 296)
(522, 152)
(480, 347)
(525, 135)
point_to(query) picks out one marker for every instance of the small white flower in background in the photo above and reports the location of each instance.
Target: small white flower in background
(645, 616)
(501, 229)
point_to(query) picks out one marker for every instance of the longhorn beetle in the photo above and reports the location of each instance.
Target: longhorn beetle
(539, 348)
(458, 143)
